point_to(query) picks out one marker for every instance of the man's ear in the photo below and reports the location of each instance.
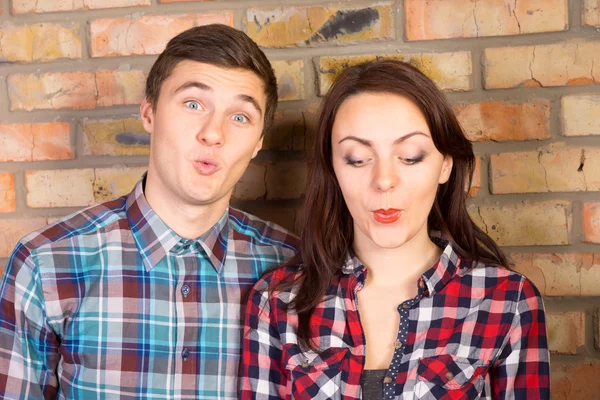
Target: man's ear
(446, 169)
(258, 147)
(147, 115)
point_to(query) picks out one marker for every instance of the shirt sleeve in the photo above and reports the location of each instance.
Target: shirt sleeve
(262, 375)
(28, 345)
(522, 370)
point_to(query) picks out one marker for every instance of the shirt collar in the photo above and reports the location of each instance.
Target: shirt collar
(155, 239)
(434, 278)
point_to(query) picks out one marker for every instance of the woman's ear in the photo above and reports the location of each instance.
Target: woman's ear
(446, 169)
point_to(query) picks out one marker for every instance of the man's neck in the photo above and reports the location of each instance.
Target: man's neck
(187, 220)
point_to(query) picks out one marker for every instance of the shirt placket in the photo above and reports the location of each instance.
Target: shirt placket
(390, 379)
(187, 331)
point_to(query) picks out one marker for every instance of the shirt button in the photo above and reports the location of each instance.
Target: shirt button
(398, 344)
(387, 380)
(405, 305)
(421, 284)
(185, 353)
(185, 289)
(449, 376)
(305, 364)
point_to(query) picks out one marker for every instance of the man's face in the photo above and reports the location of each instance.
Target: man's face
(206, 127)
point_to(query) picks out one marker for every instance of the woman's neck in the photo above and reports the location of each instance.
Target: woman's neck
(397, 266)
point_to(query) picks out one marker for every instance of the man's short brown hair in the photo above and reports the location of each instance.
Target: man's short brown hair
(218, 45)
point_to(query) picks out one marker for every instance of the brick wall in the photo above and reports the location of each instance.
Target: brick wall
(521, 76)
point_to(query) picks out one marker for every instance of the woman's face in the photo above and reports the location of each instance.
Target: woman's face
(387, 166)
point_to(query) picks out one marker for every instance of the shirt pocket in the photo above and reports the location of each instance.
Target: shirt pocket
(316, 375)
(447, 377)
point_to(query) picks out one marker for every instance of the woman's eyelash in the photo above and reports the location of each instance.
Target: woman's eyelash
(353, 162)
(415, 160)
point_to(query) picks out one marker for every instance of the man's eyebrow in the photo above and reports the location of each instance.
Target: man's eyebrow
(204, 86)
(251, 100)
(368, 143)
(193, 84)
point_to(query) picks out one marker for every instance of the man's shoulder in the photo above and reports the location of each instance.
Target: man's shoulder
(260, 231)
(83, 222)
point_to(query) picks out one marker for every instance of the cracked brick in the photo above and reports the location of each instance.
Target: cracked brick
(561, 274)
(430, 20)
(7, 192)
(35, 142)
(145, 35)
(554, 168)
(450, 71)
(572, 64)
(590, 215)
(43, 6)
(503, 121)
(525, 224)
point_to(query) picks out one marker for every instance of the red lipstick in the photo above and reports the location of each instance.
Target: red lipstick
(388, 216)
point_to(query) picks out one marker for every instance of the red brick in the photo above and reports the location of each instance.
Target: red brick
(572, 64)
(566, 331)
(145, 34)
(579, 115)
(525, 224)
(38, 42)
(427, 20)
(502, 121)
(331, 24)
(285, 180)
(590, 12)
(575, 381)
(450, 71)
(78, 90)
(43, 6)
(590, 214)
(35, 142)
(52, 91)
(7, 192)
(554, 168)
(476, 181)
(12, 230)
(120, 87)
(561, 274)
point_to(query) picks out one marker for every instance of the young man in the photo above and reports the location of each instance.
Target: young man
(140, 297)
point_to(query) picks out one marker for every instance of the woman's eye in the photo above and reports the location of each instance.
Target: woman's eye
(354, 162)
(414, 160)
(241, 118)
(194, 105)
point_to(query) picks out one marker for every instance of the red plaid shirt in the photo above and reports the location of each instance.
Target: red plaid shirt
(470, 333)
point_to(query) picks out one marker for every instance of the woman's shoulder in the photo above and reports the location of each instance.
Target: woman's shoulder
(278, 281)
(501, 278)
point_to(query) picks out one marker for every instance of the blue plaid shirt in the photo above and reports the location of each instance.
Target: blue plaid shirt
(111, 303)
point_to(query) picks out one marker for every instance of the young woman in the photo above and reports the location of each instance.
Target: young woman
(395, 292)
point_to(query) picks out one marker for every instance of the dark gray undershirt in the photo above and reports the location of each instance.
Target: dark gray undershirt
(371, 382)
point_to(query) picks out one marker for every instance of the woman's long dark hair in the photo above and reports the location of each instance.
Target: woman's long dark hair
(326, 226)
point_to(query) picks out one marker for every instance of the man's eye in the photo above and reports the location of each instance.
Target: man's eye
(194, 105)
(241, 118)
